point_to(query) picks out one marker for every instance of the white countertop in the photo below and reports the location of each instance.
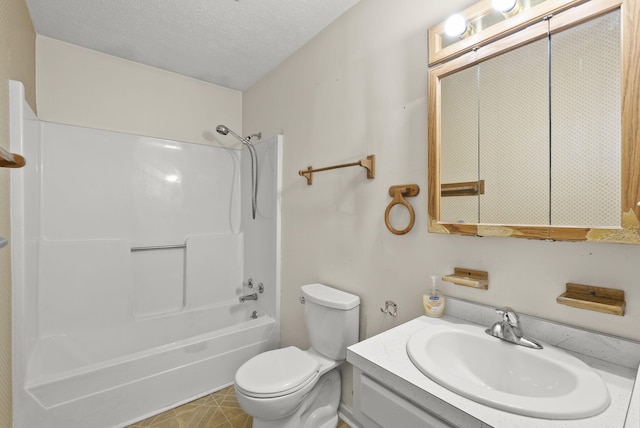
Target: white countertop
(633, 415)
(385, 359)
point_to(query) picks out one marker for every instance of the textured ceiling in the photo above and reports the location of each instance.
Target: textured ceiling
(232, 43)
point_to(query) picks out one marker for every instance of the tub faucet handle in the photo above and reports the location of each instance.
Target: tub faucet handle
(249, 283)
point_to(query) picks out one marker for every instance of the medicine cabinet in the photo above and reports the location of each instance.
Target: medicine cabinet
(536, 134)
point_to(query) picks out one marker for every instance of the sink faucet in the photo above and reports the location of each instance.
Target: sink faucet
(253, 296)
(509, 329)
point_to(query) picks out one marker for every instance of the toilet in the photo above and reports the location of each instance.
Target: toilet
(292, 388)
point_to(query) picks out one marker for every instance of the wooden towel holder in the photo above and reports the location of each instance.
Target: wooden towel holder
(398, 193)
(369, 164)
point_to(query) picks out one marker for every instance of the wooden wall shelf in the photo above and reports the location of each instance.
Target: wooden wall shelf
(607, 300)
(469, 278)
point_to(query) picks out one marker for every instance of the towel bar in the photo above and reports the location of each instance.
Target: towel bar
(369, 164)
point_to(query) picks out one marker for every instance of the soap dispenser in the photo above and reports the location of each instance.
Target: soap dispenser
(434, 302)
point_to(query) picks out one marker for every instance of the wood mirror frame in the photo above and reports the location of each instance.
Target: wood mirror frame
(629, 231)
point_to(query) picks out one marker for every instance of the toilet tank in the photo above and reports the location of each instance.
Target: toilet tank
(333, 319)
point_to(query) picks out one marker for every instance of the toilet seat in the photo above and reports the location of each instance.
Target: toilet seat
(277, 373)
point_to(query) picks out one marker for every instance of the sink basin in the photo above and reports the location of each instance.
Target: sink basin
(544, 383)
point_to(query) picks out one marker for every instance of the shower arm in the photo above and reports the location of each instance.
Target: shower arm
(243, 140)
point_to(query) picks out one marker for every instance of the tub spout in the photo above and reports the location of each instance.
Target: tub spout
(253, 296)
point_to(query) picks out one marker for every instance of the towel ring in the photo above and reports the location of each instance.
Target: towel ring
(398, 192)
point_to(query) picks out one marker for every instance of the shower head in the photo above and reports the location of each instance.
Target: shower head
(221, 129)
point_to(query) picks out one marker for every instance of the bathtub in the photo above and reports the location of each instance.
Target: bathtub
(80, 382)
(103, 336)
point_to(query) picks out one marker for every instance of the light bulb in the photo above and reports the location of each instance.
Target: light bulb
(504, 5)
(172, 178)
(456, 25)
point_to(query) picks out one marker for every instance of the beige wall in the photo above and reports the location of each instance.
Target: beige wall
(17, 62)
(83, 87)
(358, 88)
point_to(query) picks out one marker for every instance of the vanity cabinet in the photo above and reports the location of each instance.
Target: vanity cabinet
(379, 406)
(389, 391)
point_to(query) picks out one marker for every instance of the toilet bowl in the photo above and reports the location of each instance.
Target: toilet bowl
(276, 386)
(292, 388)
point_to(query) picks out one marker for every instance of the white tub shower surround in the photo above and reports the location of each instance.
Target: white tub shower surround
(128, 257)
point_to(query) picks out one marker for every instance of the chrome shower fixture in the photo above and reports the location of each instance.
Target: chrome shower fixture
(252, 136)
(224, 130)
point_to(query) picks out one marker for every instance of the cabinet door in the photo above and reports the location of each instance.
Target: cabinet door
(459, 148)
(514, 136)
(382, 408)
(586, 124)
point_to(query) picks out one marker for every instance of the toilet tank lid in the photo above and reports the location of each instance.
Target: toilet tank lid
(329, 297)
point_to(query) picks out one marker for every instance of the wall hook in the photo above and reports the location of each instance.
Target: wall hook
(398, 193)
(390, 308)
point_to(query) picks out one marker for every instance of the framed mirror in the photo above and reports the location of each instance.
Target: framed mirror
(536, 135)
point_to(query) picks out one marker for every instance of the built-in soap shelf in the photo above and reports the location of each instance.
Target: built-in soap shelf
(607, 300)
(469, 278)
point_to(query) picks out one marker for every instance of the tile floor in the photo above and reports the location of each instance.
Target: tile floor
(217, 410)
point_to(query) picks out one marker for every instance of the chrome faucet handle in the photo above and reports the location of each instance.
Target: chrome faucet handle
(509, 329)
(509, 316)
(511, 319)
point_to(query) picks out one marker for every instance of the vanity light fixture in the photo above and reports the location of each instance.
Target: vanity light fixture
(457, 26)
(508, 8)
